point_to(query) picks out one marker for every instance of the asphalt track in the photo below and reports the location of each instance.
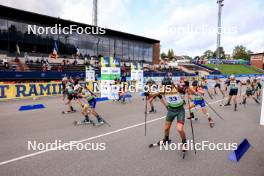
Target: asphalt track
(127, 151)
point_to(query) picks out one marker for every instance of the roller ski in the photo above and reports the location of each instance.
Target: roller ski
(163, 142)
(101, 121)
(192, 117)
(84, 122)
(68, 112)
(152, 111)
(184, 149)
(211, 123)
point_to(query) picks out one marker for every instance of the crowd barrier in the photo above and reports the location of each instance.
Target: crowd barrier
(31, 90)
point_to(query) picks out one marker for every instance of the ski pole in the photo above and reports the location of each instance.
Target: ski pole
(214, 110)
(146, 106)
(191, 123)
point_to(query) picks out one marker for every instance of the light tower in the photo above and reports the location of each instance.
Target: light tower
(94, 14)
(218, 44)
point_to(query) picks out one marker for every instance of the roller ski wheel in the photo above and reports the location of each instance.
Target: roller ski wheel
(102, 122)
(99, 123)
(184, 151)
(68, 112)
(211, 124)
(152, 112)
(183, 154)
(77, 123)
(159, 143)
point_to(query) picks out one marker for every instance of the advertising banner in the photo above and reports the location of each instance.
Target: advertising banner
(89, 74)
(110, 71)
(137, 74)
(20, 91)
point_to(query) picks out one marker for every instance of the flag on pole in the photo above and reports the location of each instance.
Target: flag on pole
(54, 54)
(17, 49)
(77, 51)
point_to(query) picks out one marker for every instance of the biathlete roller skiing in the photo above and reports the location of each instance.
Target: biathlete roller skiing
(70, 94)
(256, 83)
(204, 85)
(88, 104)
(218, 86)
(196, 95)
(151, 84)
(174, 103)
(233, 85)
(251, 88)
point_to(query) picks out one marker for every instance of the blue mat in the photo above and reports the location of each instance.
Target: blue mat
(237, 154)
(102, 99)
(128, 96)
(31, 107)
(142, 94)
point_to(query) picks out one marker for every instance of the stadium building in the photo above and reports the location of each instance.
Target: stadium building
(15, 39)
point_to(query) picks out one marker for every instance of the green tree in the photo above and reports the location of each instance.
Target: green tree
(221, 52)
(163, 55)
(208, 54)
(241, 52)
(170, 54)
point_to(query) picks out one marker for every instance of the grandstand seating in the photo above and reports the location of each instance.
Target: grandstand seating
(195, 68)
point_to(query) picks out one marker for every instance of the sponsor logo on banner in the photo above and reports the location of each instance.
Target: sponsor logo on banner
(105, 61)
(114, 62)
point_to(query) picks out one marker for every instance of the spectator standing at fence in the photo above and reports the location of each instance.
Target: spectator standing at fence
(5, 63)
(42, 60)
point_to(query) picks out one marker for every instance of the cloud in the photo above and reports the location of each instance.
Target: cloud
(189, 27)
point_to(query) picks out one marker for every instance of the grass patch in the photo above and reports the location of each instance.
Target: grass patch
(234, 69)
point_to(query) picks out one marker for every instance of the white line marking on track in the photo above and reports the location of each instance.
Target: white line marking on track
(84, 140)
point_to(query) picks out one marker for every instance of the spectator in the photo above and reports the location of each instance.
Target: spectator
(47, 60)
(5, 63)
(48, 67)
(75, 62)
(26, 58)
(42, 60)
(123, 69)
(123, 78)
(60, 68)
(16, 59)
(44, 67)
(37, 61)
(63, 63)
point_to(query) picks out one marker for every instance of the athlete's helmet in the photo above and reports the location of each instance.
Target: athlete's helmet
(232, 77)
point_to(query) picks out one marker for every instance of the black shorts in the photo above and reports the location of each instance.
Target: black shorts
(217, 85)
(249, 92)
(233, 92)
(70, 96)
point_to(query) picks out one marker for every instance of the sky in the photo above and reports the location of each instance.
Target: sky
(187, 26)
